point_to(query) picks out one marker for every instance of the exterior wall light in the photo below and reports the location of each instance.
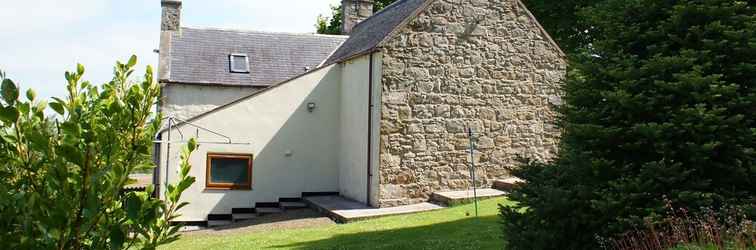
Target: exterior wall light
(310, 106)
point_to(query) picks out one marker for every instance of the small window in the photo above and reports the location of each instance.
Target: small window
(229, 171)
(239, 63)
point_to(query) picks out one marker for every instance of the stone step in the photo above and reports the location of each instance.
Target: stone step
(292, 204)
(507, 184)
(452, 198)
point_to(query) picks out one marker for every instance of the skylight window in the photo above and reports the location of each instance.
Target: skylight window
(239, 63)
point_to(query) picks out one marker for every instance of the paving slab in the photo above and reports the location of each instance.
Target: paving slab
(344, 210)
(452, 198)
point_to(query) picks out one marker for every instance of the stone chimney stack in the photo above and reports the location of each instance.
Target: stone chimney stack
(171, 19)
(354, 12)
(170, 23)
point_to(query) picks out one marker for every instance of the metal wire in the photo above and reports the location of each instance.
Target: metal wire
(171, 123)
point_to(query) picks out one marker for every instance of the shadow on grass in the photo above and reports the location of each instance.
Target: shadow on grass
(270, 221)
(467, 233)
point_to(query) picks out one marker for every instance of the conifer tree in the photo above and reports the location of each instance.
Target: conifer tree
(660, 106)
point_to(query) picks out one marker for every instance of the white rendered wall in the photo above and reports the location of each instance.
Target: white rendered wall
(352, 158)
(187, 100)
(376, 128)
(294, 150)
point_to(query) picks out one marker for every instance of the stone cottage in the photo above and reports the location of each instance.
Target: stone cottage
(377, 115)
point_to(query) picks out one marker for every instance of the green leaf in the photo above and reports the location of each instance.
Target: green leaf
(72, 154)
(132, 61)
(192, 144)
(9, 91)
(57, 107)
(133, 205)
(185, 168)
(30, 94)
(185, 183)
(181, 205)
(9, 114)
(23, 108)
(116, 237)
(79, 69)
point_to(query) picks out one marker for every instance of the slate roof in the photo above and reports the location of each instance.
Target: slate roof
(200, 56)
(368, 34)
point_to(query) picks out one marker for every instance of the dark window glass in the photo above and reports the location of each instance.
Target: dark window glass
(239, 63)
(229, 171)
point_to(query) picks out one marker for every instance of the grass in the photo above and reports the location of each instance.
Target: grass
(449, 228)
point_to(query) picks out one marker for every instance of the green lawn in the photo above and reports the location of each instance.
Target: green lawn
(448, 228)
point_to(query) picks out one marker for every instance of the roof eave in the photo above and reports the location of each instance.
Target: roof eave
(203, 83)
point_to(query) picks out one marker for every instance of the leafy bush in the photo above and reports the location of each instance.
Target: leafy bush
(61, 177)
(662, 103)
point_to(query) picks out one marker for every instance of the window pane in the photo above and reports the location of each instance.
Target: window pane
(228, 170)
(239, 63)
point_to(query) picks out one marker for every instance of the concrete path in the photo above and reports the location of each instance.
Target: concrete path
(344, 210)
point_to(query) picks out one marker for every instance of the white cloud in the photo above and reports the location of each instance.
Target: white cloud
(40, 39)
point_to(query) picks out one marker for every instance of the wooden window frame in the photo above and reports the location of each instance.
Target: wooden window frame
(228, 186)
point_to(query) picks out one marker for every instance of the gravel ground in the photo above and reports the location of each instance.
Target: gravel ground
(293, 218)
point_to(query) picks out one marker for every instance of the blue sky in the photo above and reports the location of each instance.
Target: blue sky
(40, 39)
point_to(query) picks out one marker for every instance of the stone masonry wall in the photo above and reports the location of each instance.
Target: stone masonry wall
(479, 63)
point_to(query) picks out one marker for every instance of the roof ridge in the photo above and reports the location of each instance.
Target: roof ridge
(370, 33)
(423, 6)
(263, 32)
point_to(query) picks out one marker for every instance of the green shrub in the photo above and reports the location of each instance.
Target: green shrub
(662, 103)
(61, 177)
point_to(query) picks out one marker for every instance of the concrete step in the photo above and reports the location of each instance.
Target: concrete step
(240, 217)
(268, 210)
(452, 198)
(507, 184)
(344, 210)
(214, 220)
(217, 223)
(292, 204)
